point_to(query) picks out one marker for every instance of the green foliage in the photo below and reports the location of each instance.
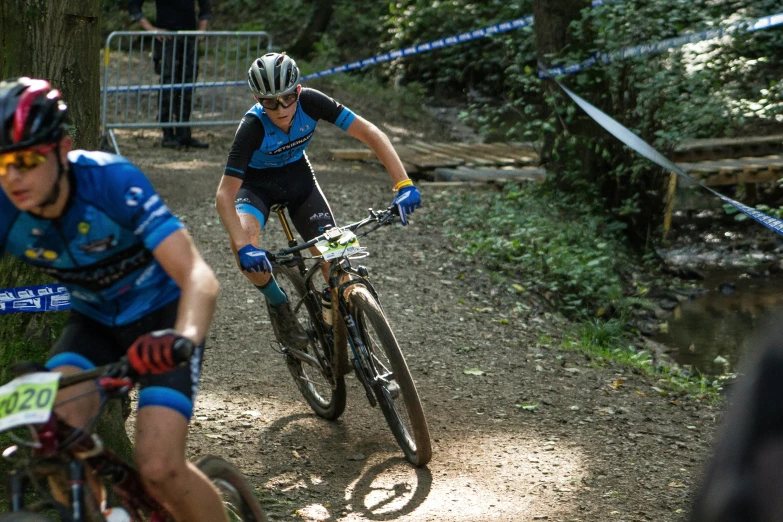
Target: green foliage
(553, 245)
(706, 90)
(352, 34)
(604, 341)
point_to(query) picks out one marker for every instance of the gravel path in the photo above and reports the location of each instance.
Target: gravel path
(599, 445)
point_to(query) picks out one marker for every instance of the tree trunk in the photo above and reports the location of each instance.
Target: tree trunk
(60, 41)
(319, 21)
(580, 158)
(553, 41)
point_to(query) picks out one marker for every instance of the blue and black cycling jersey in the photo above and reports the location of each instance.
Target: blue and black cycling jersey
(259, 144)
(100, 249)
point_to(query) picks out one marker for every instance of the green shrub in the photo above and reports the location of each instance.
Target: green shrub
(551, 245)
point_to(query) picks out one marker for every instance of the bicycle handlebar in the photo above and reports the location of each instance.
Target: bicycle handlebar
(382, 217)
(182, 352)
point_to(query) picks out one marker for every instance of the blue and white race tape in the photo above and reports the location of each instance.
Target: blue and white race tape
(39, 298)
(429, 46)
(643, 148)
(671, 43)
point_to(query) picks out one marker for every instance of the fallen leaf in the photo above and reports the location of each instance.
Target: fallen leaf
(474, 371)
(616, 384)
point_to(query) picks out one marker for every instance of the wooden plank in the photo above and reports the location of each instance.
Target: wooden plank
(449, 150)
(737, 177)
(450, 184)
(722, 148)
(426, 159)
(506, 150)
(352, 154)
(488, 152)
(487, 174)
(722, 142)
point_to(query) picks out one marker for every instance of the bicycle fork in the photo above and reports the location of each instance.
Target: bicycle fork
(360, 353)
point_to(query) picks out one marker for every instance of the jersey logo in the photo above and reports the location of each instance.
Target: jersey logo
(134, 196)
(292, 145)
(101, 245)
(40, 253)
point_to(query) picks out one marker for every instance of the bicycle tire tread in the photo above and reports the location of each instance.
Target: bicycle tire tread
(365, 303)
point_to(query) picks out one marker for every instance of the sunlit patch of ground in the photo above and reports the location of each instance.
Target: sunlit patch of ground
(484, 478)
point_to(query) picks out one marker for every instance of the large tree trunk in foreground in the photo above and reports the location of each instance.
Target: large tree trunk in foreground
(60, 41)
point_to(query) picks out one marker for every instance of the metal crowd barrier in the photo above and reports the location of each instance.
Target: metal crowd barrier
(159, 79)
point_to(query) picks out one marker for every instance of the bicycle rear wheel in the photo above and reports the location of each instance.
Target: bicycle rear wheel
(321, 388)
(236, 493)
(393, 384)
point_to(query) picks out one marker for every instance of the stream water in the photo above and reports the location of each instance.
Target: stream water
(725, 322)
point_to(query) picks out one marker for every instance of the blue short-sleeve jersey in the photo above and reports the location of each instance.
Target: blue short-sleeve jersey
(100, 249)
(260, 144)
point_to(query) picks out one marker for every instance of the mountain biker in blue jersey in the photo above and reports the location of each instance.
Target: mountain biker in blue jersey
(267, 165)
(138, 285)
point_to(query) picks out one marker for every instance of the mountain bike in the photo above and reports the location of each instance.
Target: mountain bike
(354, 317)
(53, 461)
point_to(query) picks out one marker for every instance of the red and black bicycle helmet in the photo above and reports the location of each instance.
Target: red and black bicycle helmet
(31, 113)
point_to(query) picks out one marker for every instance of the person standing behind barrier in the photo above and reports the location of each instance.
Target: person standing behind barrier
(268, 165)
(176, 61)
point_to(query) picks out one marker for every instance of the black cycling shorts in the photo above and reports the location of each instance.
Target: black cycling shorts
(86, 343)
(293, 185)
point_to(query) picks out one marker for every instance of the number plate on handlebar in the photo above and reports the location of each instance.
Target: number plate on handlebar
(28, 399)
(346, 244)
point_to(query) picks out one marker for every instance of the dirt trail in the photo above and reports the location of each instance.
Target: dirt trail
(600, 445)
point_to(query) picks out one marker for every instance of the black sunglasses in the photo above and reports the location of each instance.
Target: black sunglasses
(272, 104)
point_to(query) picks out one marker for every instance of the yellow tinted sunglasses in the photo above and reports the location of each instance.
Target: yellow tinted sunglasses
(24, 160)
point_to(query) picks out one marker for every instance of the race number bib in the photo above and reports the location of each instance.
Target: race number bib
(28, 399)
(345, 245)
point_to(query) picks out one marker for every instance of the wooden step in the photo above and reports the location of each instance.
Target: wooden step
(488, 174)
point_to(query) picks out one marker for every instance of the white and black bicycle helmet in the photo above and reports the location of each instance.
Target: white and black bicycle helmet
(273, 75)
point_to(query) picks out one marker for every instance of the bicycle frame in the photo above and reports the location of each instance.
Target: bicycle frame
(341, 276)
(64, 450)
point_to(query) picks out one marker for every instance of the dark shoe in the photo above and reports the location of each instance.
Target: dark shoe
(193, 143)
(170, 142)
(287, 329)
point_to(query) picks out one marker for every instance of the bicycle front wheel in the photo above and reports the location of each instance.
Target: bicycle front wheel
(237, 494)
(323, 390)
(392, 381)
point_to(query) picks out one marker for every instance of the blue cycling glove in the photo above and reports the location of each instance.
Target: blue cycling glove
(253, 259)
(408, 199)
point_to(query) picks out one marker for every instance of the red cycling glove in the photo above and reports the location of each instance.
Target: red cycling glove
(159, 352)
